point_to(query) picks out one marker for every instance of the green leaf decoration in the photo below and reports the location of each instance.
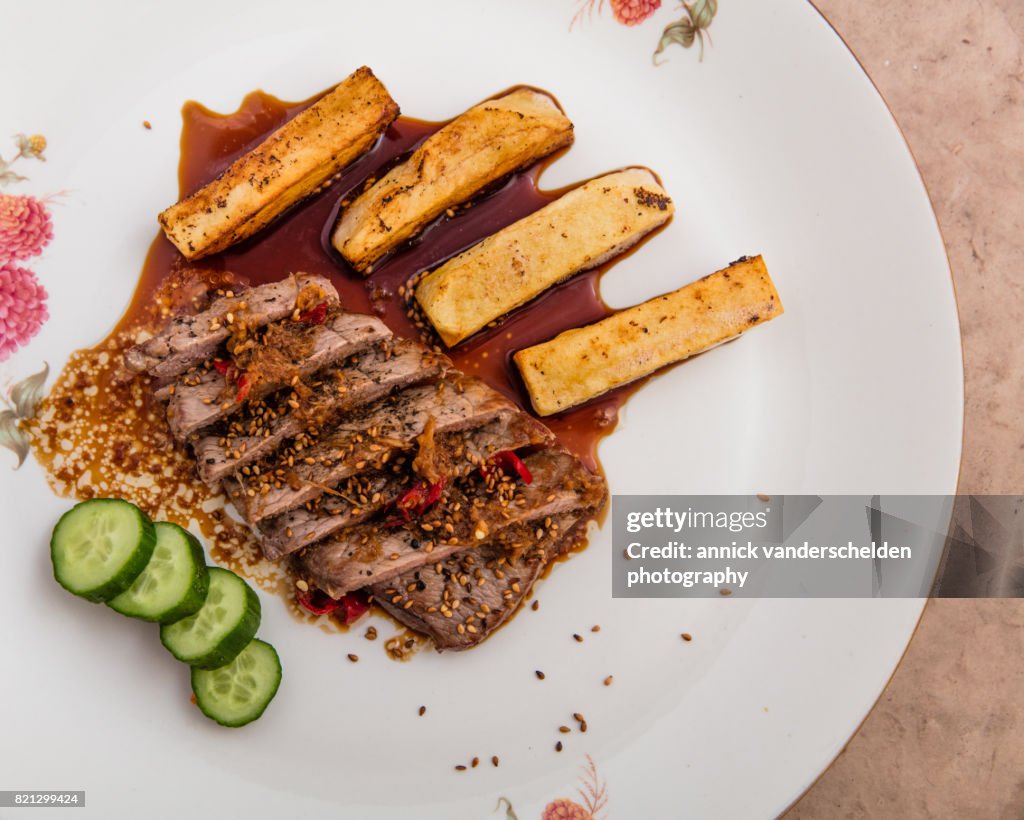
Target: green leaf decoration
(7, 177)
(13, 437)
(686, 30)
(27, 393)
(702, 12)
(681, 32)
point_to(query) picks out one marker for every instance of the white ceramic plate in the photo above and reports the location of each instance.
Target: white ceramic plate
(776, 143)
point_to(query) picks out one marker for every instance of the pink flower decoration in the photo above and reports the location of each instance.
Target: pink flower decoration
(563, 809)
(22, 307)
(25, 226)
(631, 12)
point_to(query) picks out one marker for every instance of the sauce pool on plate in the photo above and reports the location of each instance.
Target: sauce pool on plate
(100, 431)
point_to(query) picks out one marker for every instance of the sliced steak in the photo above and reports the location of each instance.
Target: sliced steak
(355, 500)
(201, 402)
(461, 601)
(365, 441)
(261, 429)
(189, 340)
(465, 517)
(457, 455)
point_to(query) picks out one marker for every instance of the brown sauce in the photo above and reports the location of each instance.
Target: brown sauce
(100, 431)
(300, 242)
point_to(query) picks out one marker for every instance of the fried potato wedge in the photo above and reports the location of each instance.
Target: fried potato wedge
(486, 143)
(283, 169)
(578, 231)
(583, 363)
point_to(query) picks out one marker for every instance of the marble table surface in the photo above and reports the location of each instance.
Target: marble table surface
(946, 739)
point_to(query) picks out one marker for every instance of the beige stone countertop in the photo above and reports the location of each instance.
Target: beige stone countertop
(946, 739)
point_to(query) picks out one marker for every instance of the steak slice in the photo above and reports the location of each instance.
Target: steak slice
(190, 340)
(261, 429)
(360, 497)
(365, 441)
(342, 507)
(461, 601)
(369, 554)
(193, 406)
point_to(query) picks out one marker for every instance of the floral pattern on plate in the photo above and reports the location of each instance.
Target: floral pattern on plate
(690, 28)
(20, 401)
(593, 800)
(25, 229)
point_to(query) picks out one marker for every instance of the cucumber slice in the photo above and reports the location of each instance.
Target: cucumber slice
(237, 693)
(221, 629)
(100, 546)
(174, 583)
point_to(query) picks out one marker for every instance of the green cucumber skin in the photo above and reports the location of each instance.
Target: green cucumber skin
(232, 643)
(210, 709)
(129, 572)
(196, 597)
(193, 600)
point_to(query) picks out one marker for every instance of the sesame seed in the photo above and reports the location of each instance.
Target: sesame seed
(422, 711)
(540, 675)
(353, 658)
(475, 762)
(460, 768)
(686, 636)
(608, 680)
(558, 746)
(535, 606)
(564, 730)
(371, 633)
(595, 628)
(763, 497)
(302, 585)
(577, 637)
(495, 761)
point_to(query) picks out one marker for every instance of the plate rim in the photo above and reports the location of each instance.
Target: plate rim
(815, 4)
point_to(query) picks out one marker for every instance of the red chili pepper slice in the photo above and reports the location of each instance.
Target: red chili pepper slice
(356, 605)
(317, 601)
(232, 374)
(420, 497)
(315, 315)
(353, 605)
(509, 462)
(415, 501)
(244, 386)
